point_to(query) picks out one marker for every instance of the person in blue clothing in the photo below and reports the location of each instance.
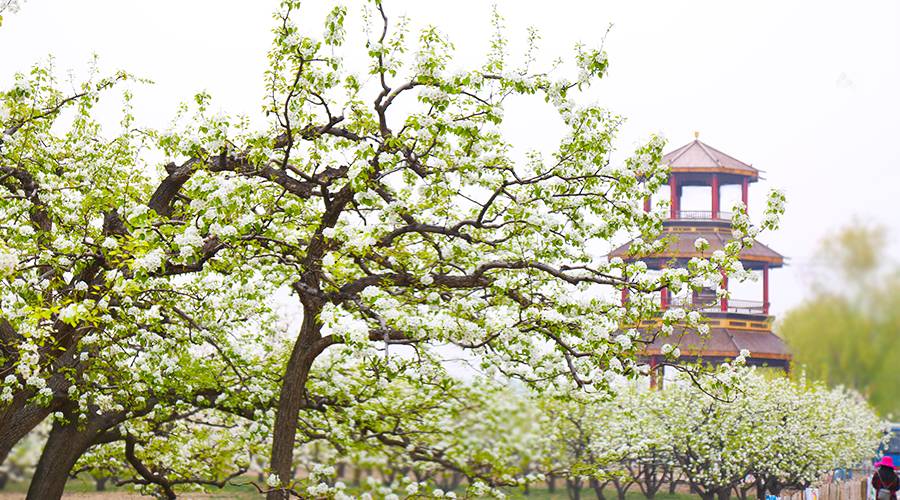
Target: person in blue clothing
(885, 481)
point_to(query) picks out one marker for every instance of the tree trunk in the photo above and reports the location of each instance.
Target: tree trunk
(621, 488)
(723, 494)
(760, 489)
(290, 401)
(673, 481)
(598, 489)
(100, 483)
(573, 486)
(551, 483)
(455, 481)
(64, 445)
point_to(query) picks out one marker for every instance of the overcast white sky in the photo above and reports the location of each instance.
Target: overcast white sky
(808, 91)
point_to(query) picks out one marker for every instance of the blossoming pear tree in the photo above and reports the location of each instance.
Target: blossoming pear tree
(388, 199)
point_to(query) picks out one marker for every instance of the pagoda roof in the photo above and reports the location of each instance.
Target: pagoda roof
(697, 156)
(682, 241)
(721, 343)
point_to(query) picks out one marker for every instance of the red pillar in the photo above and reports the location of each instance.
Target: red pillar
(624, 296)
(653, 368)
(725, 286)
(745, 185)
(647, 204)
(673, 204)
(664, 298)
(765, 289)
(715, 196)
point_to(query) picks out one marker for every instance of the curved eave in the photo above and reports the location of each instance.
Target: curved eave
(682, 247)
(784, 364)
(774, 262)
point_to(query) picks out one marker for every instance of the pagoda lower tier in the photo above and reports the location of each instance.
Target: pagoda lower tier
(729, 334)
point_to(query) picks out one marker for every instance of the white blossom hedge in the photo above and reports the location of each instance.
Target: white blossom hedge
(139, 298)
(764, 434)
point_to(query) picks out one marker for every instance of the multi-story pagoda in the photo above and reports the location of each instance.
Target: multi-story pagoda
(734, 324)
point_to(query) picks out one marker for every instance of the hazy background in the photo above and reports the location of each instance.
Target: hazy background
(805, 91)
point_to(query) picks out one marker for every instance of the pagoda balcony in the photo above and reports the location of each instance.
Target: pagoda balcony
(733, 306)
(702, 215)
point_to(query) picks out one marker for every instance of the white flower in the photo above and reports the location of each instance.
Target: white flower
(676, 352)
(109, 243)
(412, 488)
(293, 39)
(273, 480)
(8, 263)
(701, 243)
(188, 241)
(693, 317)
(151, 261)
(427, 279)
(81, 286)
(328, 232)
(69, 313)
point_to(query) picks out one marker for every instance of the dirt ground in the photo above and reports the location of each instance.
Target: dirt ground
(82, 496)
(116, 495)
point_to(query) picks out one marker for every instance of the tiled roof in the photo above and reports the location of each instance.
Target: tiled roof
(722, 342)
(698, 156)
(682, 246)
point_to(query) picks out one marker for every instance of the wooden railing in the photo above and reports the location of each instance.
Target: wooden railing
(732, 306)
(702, 215)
